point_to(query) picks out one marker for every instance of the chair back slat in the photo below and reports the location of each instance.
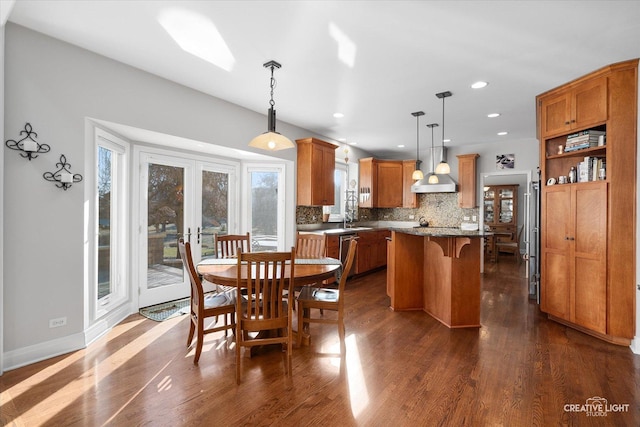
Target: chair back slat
(310, 245)
(268, 281)
(226, 246)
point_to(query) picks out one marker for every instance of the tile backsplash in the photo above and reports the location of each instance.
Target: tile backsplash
(439, 209)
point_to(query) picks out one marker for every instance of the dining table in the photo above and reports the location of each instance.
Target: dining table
(224, 271)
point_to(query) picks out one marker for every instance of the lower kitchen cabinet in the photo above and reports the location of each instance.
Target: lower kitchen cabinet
(372, 250)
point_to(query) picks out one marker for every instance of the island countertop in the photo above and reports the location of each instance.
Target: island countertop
(441, 232)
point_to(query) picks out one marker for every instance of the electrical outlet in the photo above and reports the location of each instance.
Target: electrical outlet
(466, 218)
(55, 323)
(474, 218)
(412, 216)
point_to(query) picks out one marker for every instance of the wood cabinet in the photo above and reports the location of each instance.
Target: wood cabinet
(500, 204)
(574, 274)
(372, 250)
(579, 107)
(467, 180)
(409, 198)
(316, 165)
(589, 283)
(383, 184)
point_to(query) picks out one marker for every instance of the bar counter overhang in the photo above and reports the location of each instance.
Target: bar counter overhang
(436, 270)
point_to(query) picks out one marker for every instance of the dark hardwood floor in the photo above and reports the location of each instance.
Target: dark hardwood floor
(518, 369)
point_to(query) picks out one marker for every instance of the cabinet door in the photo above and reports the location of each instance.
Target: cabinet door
(367, 175)
(557, 225)
(327, 181)
(589, 104)
(389, 184)
(467, 180)
(590, 255)
(409, 199)
(555, 114)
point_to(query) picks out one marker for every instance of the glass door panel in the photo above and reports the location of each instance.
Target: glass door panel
(167, 189)
(215, 209)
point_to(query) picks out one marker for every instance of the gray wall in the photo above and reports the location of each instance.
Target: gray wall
(55, 87)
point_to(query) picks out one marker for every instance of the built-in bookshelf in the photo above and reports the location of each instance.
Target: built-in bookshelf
(588, 228)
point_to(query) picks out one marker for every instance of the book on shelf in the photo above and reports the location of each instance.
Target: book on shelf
(585, 139)
(590, 169)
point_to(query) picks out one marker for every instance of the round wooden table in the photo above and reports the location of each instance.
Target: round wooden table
(307, 271)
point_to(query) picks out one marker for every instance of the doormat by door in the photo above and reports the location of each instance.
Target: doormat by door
(167, 310)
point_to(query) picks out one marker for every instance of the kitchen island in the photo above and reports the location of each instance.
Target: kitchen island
(436, 270)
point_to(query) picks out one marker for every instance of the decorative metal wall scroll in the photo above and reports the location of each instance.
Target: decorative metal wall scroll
(28, 146)
(63, 176)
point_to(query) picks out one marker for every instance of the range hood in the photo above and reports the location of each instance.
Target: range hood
(445, 184)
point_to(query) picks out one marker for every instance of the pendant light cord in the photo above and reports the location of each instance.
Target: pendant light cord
(273, 85)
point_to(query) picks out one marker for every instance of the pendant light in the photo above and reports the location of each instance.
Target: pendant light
(417, 174)
(443, 167)
(271, 140)
(433, 178)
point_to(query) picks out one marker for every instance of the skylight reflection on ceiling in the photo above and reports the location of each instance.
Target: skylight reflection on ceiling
(197, 34)
(346, 48)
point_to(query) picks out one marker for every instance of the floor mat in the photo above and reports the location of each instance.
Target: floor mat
(166, 310)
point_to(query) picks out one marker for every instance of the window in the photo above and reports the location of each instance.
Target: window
(111, 221)
(337, 211)
(266, 207)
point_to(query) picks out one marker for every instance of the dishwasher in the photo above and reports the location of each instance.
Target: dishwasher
(344, 249)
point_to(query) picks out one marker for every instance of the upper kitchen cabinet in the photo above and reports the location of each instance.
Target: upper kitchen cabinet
(381, 183)
(578, 107)
(409, 198)
(467, 180)
(316, 165)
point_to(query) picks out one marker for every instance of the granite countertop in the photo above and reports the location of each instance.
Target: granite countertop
(441, 232)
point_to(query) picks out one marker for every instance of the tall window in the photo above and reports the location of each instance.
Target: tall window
(111, 223)
(266, 201)
(340, 183)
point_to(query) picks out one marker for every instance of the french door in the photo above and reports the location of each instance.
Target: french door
(179, 198)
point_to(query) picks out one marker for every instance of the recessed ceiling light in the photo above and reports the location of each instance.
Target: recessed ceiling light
(401, 146)
(446, 140)
(479, 85)
(492, 115)
(352, 143)
(338, 115)
(502, 133)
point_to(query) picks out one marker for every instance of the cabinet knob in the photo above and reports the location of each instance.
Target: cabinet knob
(566, 123)
(569, 238)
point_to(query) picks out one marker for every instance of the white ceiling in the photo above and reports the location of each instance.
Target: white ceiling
(405, 53)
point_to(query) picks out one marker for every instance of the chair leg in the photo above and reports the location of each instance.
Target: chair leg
(200, 338)
(192, 329)
(341, 333)
(300, 324)
(238, 345)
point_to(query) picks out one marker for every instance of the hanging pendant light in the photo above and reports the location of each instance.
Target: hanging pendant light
(443, 167)
(433, 178)
(271, 140)
(417, 174)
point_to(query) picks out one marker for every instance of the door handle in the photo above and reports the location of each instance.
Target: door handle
(188, 234)
(198, 235)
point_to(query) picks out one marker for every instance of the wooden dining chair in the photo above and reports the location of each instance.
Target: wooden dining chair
(204, 306)
(309, 245)
(325, 299)
(267, 306)
(226, 245)
(510, 247)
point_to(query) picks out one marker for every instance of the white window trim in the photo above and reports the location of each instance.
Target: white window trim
(99, 309)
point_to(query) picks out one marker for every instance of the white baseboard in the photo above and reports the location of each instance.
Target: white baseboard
(635, 345)
(46, 350)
